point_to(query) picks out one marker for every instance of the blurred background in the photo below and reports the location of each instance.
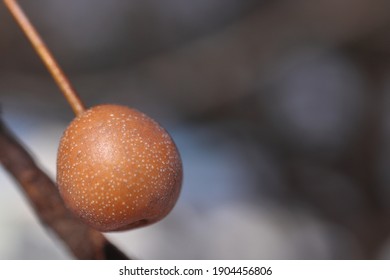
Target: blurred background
(280, 110)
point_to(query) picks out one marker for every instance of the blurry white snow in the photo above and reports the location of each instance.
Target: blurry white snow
(212, 220)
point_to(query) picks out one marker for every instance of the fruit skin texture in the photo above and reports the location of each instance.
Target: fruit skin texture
(118, 169)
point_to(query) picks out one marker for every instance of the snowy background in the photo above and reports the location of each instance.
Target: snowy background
(280, 110)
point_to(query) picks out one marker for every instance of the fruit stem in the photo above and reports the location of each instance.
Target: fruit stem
(47, 58)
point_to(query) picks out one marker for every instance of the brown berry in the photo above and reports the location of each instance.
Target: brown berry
(118, 169)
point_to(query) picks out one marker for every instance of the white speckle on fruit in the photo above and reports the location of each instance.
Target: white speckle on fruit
(116, 167)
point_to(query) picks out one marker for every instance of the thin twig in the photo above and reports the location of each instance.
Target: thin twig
(83, 241)
(46, 56)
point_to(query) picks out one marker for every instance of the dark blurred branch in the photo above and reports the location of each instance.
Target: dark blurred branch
(41, 191)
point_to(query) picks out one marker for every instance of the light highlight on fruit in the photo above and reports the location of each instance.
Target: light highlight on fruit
(118, 169)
